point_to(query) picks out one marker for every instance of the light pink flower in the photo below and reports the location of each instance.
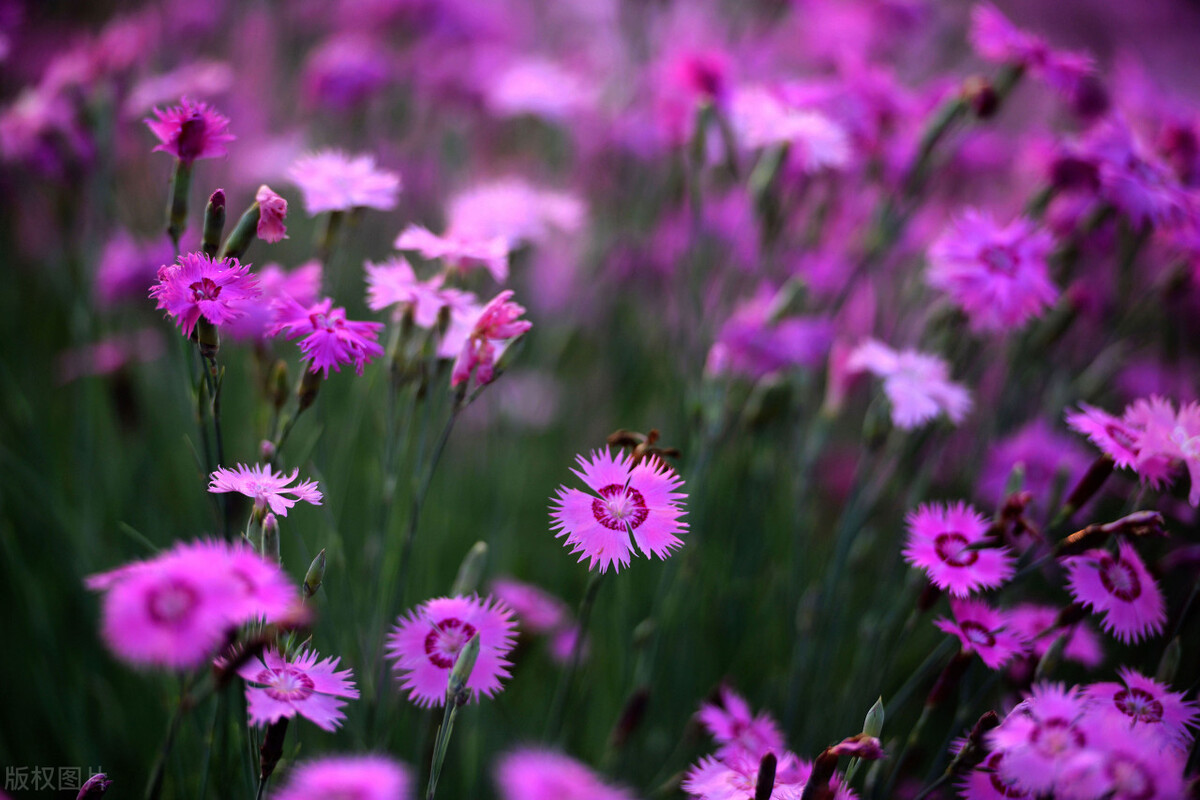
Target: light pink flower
(265, 486)
(1037, 624)
(425, 644)
(272, 209)
(302, 284)
(333, 181)
(917, 384)
(537, 611)
(945, 541)
(458, 250)
(538, 774)
(278, 688)
(983, 630)
(627, 501)
(393, 282)
(1150, 704)
(1041, 736)
(761, 118)
(1120, 588)
(329, 339)
(367, 777)
(198, 286)
(998, 40)
(737, 730)
(190, 130)
(1124, 762)
(514, 209)
(735, 778)
(498, 322)
(997, 275)
(109, 355)
(538, 87)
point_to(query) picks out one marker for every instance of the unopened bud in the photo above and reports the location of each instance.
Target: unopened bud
(272, 748)
(270, 539)
(1168, 665)
(214, 223)
(279, 384)
(1016, 479)
(470, 571)
(306, 394)
(177, 208)
(643, 633)
(947, 682)
(981, 95)
(456, 689)
(266, 451)
(315, 575)
(1050, 661)
(818, 787)
(765, 784)
(631, 717)
(95, 786)
(873, 724)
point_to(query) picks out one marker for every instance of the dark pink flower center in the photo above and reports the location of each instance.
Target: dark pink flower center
(1119, 579)
(977, 635)
(1004, 789)
(1121, 436)
(952, 549)
(288, 685)
(205, 289)
(172, 603)
(999, 258)
(1056, 736)
(1130, 779)
(191, 137)
(621, 508)
(1139, 704)
(445, 640)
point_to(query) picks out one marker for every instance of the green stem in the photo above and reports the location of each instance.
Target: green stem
(559, 706)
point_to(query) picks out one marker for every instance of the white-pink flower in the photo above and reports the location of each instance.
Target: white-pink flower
(917, 384)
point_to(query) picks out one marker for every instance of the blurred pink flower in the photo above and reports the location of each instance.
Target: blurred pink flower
(1132, 177)
(997, 275)
(1036, 623)
(514, 209)
(108, 355)
(458, 250)
(1040, 737)
(752, 343)
(1123, 762)
(945, 541)
(983, 630)
(278, 688)
(538, 774)
(265, 486)
(917, 384)
(302, 284)
(128, 267)
(271, 211)
(986, 782)
(735, 778)
(1149, 704)
(425, 644)
(330, 339)
(190, 130)
(330, 180)
(1048, 460)
(1120, 588)
(627, 501)
(198, 286)
(538, 87)
(760, 118)
(345, 70)
(537, 611)
(498, 322)
(737, 730)
(998, 40)
(364, 777)
(393, 282)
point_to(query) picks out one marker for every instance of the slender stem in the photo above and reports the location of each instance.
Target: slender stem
(158, 771)
(559, 707)
(439, 747)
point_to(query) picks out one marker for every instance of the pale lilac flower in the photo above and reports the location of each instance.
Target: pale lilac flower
(514, 209)
(279, 688)
(539, 774)
(1048, 459)
(127, 267)
(198, 286)
(1041, 736)
(946, 541)
(1150, 704)
(425, 644)
(458, 250)
(627, 501)
(1120, 588)
(1170, 435)
(302, 284)
(203, 78)
(1132, 177)
(345, 70)
(265, 486)
(330, 180)
(537, 611)
(737, 730)
(761, 118)
(394, 283)
(271, 212)
(735, 778)
(330, 339)
(752, 344)
(983, 630)
(997, 275)
(365, 777)
(917, 384)
(1036, 623)
(190, 130)
(538, 87)
(498, 322)
(998, 40)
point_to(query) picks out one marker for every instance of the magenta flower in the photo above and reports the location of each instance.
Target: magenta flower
(917, 384)
(753, 343)
(639, 501)
(177, 609)
(736, 778)
(1120, 588)
(393, 282)
(945, 541)
(127, 268)
(983, 630)
(1132, 177)
(330, 339)
(368, 777)
(537, 611)
(737, 730)
(265, 486)
(1046, 456)
(277, 688)
(1041, 736)
(999, 41)
(458, 250)
(425, 644)
(198, 287)
(1123, 762)
(302, 284)
(997, 275)
(986, 782)
(1036, 623)
(333, 181)
(1122, 438)
(272, 209)
(498, 322)
(1150, 704)
(190, 130)
(537, 774)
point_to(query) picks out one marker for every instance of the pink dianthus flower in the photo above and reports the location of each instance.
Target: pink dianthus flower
(945, 541)
(424, 645)
(536, 774)
(302, 284)
(1041, 736)
(198, 286)
(998, 40)
(458, 250)
(497, 322)
(278, 688)
(333, 181)
(368, 777)
(738, 731)
(394, 282)
(537, 611)
(917, 384)
(190, 130)
(1148, 703)
(265, 486)
(1120, 588)
(272, 209)
(627, 501)
(330, 339)
(1036, 623)
(984, 630)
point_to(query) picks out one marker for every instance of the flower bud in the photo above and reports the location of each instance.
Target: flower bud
(95, 786)
(266, 451)
(279, 384)
(214, 223)
(873, 724)
(181, 182)
(765, 784)
(1052, 658)
(272, 748)
(270, 539)
(306, 395)
(1169, 664)
(981, 95)
(470, 570)
(315, 575)
(631, 717)
(456, 689)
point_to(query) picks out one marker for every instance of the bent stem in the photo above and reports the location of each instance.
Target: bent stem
(558, 709)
